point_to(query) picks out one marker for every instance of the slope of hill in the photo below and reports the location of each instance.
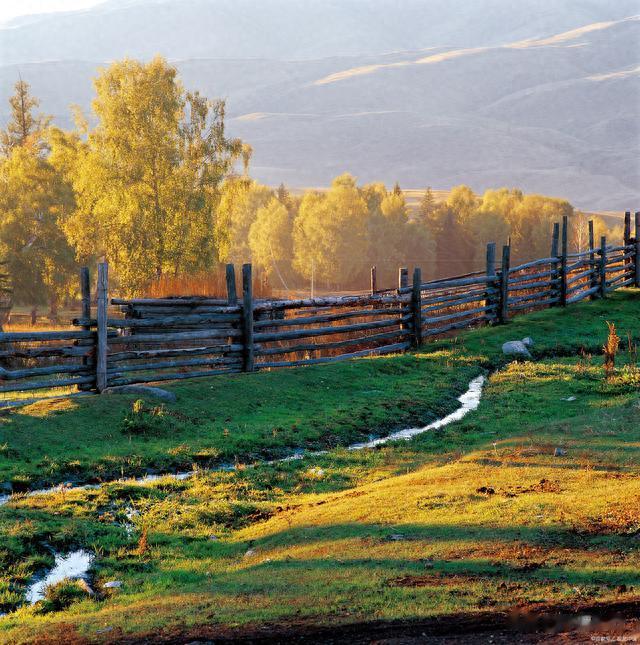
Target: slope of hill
(542, 95)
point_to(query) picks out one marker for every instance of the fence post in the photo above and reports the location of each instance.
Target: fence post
(247, 319)
(593, 278)
(403, 281)
(555, 243)
(603, 266)
(416, 306)
(636, 258)
(232, 296)
(627, 228)
(627, 239)
(503, 309)
(563, 261)
(101, 341)
(489, 300)
(85, 292)
(403, 277)
(373, 281)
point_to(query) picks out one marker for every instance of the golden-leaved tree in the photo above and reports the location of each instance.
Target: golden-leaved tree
(147, 177)
(271, 242)
(331, 235)
(34, 201)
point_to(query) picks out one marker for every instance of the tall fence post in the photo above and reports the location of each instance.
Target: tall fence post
(85, 292)
(593, 278)
(603, 267)
(374, 286)
(102, 293)
(403, 277)
(247, 319)
(503, 309)
(627, 240)
(232, 296)
(555, 252)
(403, 281)
(563, 261)
(489, 299)
(416, 306)
(636, 257)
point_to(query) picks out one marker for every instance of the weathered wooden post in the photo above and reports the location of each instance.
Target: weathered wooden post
(503, 309)
(563, 261)
(403, 277)
(489, 298)
(416, 306)
(232, 296)
(102, 293)
(627, 241)
(85, 292)
(555, 243)
(403, 281)
(603, 267)
(247, 319)
(627, 228)
(373, 281)
(593, 278)
(636, 257)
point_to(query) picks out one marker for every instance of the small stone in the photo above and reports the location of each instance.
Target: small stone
(113, 584)
(515, 348)
(559, 452)
(214, 538)
(143, 390)
(570, 398)
(396, 537)
(249, 553)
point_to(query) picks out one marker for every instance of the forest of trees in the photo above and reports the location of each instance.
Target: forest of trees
(150, 182)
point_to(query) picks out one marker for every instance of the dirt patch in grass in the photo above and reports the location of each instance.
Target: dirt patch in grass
(535, 624)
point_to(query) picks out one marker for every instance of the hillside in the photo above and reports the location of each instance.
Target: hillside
(539, 96)
(522, 515)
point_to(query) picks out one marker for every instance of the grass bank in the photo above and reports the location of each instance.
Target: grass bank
(531, 499)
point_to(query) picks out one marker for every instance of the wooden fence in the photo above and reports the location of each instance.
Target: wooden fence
(159, 339)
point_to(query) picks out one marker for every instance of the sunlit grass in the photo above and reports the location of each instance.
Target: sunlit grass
(531, 500)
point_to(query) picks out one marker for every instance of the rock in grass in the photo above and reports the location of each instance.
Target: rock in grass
(143, 390)
(113, 584)
(515, 348)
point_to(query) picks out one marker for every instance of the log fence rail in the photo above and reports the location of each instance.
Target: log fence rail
(160, 339)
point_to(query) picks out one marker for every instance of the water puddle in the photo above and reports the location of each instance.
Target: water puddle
(469, 401)
(73, 566)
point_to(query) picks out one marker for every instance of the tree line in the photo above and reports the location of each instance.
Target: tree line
(151, 182)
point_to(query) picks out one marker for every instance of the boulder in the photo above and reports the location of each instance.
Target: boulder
(143, 390)
(515, 348)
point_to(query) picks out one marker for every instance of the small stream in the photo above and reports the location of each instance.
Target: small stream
(469, 401)
(75, 565)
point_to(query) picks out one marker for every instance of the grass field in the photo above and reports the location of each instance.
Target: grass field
(530, 501)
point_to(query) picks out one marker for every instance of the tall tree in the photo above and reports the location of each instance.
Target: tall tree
(427, 205)
(34, 199)
(271, 242)
(330, 234)
(24, 127)
(147, 178)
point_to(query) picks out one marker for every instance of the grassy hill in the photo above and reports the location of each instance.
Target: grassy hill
(528, 506)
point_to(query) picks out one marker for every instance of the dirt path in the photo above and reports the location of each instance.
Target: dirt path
(580, 624)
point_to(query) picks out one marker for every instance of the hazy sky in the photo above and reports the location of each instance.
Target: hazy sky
(11, 9)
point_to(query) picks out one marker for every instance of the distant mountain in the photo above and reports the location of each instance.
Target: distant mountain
(539, 94)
